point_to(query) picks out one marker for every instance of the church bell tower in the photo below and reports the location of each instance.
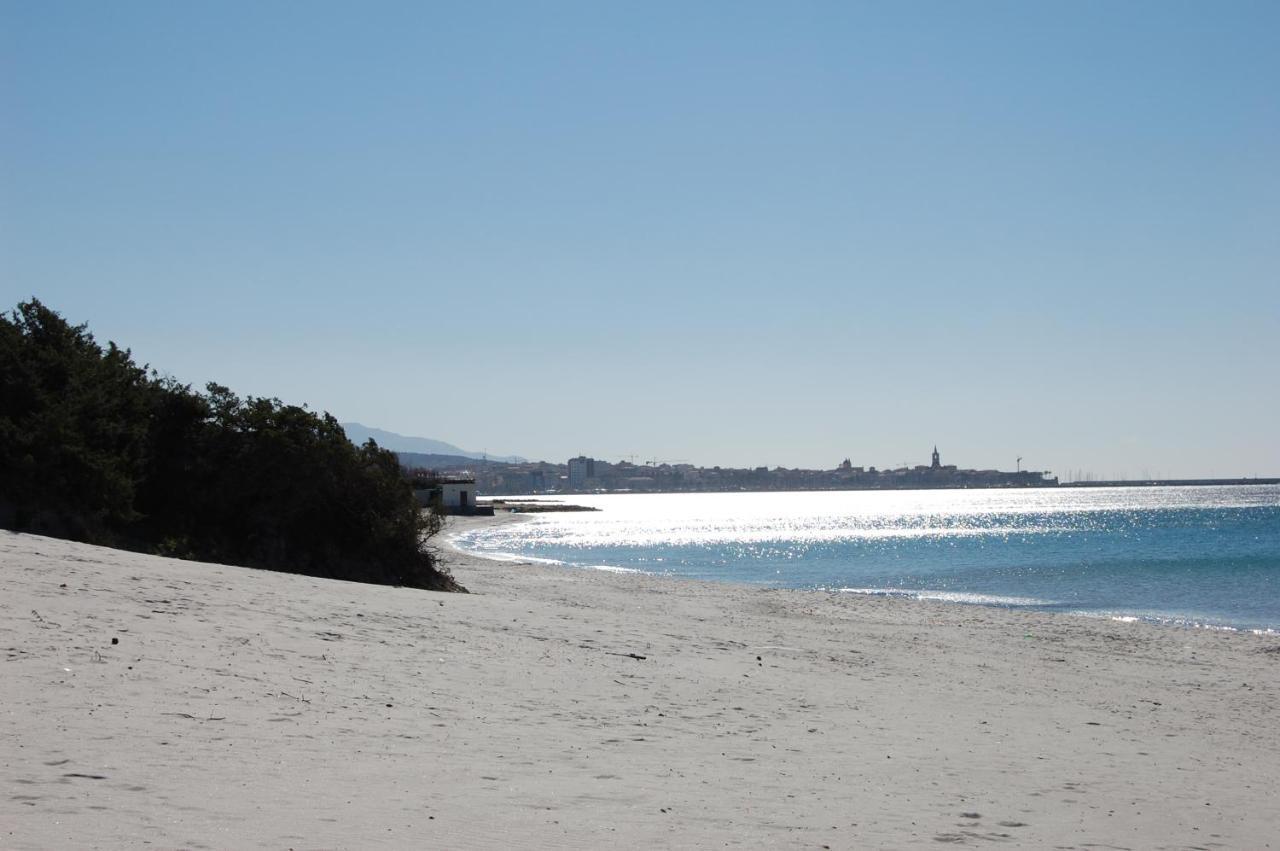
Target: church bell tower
(937, 459)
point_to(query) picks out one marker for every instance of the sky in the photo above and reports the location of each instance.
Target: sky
(725, 233)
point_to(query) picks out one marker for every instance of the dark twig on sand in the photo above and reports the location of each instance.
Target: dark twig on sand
(191, 717)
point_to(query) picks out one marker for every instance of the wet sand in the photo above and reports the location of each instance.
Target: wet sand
(564, 708)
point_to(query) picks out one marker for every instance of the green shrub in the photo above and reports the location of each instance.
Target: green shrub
(95, 448)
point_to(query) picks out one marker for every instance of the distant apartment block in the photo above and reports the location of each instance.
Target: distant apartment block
(581, 469)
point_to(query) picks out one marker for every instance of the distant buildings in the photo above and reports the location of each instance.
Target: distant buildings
(593, 475)
(581, 469)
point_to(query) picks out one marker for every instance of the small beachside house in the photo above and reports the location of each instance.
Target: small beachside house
(451, 495)
(458, 496)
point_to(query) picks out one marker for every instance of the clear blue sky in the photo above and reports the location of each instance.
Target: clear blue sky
(734, 233)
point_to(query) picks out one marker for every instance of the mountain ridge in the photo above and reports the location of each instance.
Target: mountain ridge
(358, 433)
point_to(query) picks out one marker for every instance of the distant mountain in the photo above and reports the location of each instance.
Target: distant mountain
(446, 462)
(358, 434)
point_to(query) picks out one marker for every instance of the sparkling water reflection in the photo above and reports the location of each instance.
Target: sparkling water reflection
(1196, 555)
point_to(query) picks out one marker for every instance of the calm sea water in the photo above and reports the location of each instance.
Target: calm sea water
(1202, 556)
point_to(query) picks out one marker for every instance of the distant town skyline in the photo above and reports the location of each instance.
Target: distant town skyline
(583, 464)
(740, 234)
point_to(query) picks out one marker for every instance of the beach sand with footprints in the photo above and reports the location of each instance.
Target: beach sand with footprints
(151, 702)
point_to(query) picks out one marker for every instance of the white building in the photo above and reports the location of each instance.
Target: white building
(458, 494)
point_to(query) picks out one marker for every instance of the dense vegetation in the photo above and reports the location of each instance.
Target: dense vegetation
(96, 448)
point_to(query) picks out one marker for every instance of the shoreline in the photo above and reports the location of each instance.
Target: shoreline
(556, 707)
(466, 524)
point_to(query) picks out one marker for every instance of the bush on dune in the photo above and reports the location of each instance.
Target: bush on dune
(73, 420)
(93, 447)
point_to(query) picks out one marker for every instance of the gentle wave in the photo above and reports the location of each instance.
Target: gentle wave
(464, 543)
(1176, 621)
(948, 597)
(469, 548)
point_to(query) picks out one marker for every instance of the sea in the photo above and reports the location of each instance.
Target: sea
(1195, 557)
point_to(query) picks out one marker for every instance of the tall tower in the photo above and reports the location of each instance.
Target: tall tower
(937, 459)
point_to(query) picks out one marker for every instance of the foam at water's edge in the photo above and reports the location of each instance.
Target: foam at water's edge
(1184, 621)
(514, 557)
(1178, 621)
(460, 545)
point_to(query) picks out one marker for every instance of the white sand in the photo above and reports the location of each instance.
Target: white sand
(247, 709)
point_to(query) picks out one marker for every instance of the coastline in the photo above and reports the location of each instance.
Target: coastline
(461, 525)
(242, 708)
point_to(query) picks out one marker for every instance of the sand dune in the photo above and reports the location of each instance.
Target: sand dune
(148, 701)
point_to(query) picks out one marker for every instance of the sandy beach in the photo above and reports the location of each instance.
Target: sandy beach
(170, 704)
